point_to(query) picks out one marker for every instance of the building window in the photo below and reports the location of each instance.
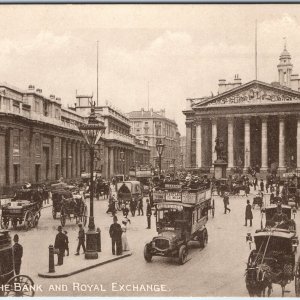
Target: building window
(16, 173)
(16, 107)
(37, 145)
(16, 145)
(57, 113)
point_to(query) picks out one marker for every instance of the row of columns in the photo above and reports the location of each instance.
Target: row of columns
(247, 142)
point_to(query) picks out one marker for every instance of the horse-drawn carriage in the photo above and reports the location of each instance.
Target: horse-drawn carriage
(24, 209)
(11, 285)
(274, 258)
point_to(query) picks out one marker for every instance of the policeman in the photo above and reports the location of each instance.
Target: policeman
(18, 253)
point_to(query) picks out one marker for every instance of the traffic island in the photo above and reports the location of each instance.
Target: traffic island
(77, 264)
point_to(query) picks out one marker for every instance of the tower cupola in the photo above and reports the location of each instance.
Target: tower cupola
(285, 68)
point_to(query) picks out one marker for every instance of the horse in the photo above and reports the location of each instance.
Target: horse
(258, 279)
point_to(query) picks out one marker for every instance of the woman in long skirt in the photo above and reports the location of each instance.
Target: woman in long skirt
(125, 245)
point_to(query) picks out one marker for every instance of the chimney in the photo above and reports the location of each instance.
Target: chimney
(58, 99)
(39, 91)
(31, 87)
(52, 97)
(222, 86)
(237, 81)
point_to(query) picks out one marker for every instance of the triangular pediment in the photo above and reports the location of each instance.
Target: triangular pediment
(252, 93)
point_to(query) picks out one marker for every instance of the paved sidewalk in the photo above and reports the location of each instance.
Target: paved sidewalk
(75, 264)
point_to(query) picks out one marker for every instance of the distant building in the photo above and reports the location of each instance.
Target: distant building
(153, 125)
(40, 140)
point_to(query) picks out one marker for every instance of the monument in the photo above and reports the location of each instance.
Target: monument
(220, 164)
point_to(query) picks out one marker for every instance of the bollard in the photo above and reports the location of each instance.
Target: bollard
(51, 259)
(98, 239)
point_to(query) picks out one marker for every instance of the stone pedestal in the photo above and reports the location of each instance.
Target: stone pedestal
(220, 167)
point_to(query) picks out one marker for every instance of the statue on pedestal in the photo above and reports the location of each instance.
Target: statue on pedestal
(219, 149)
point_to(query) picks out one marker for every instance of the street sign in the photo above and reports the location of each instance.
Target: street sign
(172, 186)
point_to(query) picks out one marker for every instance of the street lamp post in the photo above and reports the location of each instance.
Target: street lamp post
(160, 149)
(92, 132)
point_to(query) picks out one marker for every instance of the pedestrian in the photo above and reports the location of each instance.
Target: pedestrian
(247, 189)
(125, 212)
(248, 213)
(81, 239)
(60, 245)
(262, 185)
(115, 232)
(149, 214)
(255, 183)
(133, 206)
(67, 242)
(18, 253)
(226, 203)
(140, 207)
(125, 245)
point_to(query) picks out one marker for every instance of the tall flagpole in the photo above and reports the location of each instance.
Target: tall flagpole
(148, 95)
(255, 49)
(97, 71)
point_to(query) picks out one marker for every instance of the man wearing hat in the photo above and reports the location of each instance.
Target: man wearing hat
(18, 253)
(60, 244)
(280, 218)
(115, 232)
(149, 214)
(226, 203)
(81, 239)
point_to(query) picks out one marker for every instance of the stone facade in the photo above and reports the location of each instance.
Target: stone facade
(258, 124)
(153, 125)
(40, 140)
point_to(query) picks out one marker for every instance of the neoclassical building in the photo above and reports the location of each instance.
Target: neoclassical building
(257, 122)
(40, 140)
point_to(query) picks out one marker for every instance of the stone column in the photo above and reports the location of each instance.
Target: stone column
(78, 165)
(214, 134)
(281, 165)
(188, 145)
(111, 161)
(230, 143)
(298, 143)
(264, 143)
(198, 144)
(247, 149)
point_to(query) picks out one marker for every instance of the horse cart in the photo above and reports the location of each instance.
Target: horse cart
(24, 209)
(181, 217)
(11, 285)
(274, 259)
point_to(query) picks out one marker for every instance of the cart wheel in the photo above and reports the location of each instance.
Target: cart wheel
(28, 220)
(297, 279)
(147, 254)
(53, 213)
(204, 238)
(4, 223)
(25, 287)
(183, 253)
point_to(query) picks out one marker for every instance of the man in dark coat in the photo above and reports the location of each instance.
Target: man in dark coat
(248, 213)
(140, 207)
(255, 182)
(226, 203)
(262, 185)
(60, 244)
(81, 239)
(18, 253)
(115, 232)
(133, 205)
(149, 214)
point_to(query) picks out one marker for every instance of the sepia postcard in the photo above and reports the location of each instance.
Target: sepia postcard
(149, 150)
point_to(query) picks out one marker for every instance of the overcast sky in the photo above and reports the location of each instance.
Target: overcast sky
(182, 50)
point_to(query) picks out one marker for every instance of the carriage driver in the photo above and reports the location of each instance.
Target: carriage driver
(280, 218)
